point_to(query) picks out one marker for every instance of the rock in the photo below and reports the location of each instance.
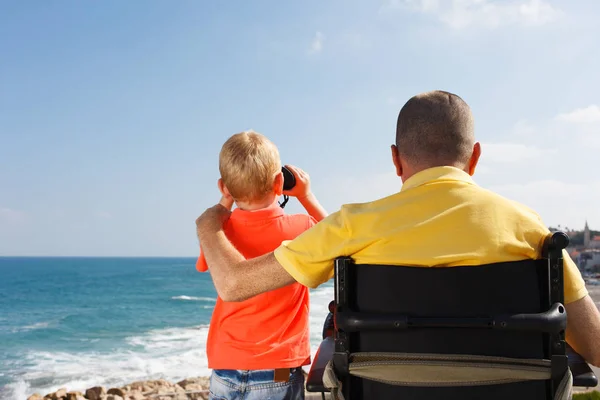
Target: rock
(117, 391)
(74, 395)
(136, 386)
(184, 383)
(198, 396)
(60, 394)
(194, 387)
(114, 397)
(35, 396)
(165, 390)
(152, 386)
(95, 393)
(178, 389)
(136, 395)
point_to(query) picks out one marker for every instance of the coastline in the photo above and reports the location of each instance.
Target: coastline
(191, 388)
(188, 389)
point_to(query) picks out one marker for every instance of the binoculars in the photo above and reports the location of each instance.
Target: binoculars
(289, 181)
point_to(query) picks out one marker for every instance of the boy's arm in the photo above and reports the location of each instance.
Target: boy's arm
(313, 207)
(302, 192)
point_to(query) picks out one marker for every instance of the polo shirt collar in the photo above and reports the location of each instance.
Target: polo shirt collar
(445, 173)
(273, 211)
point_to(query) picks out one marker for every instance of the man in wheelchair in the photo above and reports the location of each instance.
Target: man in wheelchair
(444, 289)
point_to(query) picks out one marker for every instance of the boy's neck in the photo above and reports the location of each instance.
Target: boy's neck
(256, 205)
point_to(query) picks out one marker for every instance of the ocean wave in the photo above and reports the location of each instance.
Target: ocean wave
(32, 327)
(192, 298)
(319, 308)
(172, 354)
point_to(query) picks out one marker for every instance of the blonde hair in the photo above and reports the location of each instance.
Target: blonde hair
(248, 164)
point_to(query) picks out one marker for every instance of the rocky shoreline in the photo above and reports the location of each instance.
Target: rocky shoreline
(188, 389)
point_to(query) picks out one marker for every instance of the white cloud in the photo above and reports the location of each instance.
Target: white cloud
(512, 152)
(459, 14)
(558, 202)
(316, 45)
(336, 190)
(587, 115)
(524, 129)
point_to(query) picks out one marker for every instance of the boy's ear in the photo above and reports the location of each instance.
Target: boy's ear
(222, 188)
(278, 184)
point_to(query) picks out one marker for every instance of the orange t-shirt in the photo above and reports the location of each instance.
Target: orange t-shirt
(270, 330)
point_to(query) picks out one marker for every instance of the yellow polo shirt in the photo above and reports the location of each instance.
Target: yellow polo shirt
(439, 218)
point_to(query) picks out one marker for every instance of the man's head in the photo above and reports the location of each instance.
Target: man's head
(435, 129)
(250, 169)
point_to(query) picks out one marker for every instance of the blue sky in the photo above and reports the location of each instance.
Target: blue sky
(112, 113)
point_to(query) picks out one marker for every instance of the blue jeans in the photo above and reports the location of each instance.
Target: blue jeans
(226, 384)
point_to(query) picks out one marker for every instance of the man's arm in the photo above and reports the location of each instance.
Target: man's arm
(308, 259)
(583, 329)
(234, 277)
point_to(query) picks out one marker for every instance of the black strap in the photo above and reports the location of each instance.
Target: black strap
(285, 200)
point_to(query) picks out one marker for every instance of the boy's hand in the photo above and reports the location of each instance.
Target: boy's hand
(302, 188)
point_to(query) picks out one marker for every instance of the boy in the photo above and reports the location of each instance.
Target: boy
(257, 347)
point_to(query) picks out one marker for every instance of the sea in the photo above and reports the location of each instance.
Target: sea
(83, 322)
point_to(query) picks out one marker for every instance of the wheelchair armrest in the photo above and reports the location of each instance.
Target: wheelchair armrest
(314, 382)
(583, 376)
(328, 326)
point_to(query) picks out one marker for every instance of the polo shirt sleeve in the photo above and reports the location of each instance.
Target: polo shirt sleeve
(201, 265)
(309, 257)
(573, 281)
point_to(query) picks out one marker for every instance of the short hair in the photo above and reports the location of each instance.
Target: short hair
(434, 129)
(248, 163)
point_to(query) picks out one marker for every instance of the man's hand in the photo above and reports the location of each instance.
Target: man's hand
(212, 220)
(302, 188)
(234, 277)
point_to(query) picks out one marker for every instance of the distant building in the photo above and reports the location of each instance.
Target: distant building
(590, 243)
(586, 235)
(588, 261)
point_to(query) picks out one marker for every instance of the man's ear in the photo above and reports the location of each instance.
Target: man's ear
(396, 160)
(222, 188)
(278, 184)
(474, 159)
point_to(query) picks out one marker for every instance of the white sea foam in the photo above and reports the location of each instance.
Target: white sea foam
(172, 354)
(192, 298)
(32, 327)
(319, 302)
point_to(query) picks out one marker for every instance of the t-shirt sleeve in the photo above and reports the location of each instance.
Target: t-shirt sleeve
(573, 281)
(309, 257)
(574, 285)
(201, 265)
